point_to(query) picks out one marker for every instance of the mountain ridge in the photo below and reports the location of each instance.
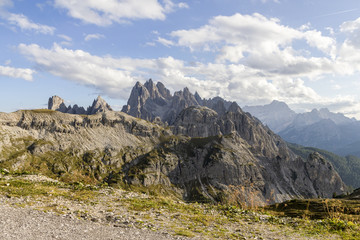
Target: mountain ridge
(201, 154)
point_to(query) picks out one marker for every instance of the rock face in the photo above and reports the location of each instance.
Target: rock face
(56, 103)
(222, 155)
(150, 101)
(99, 105)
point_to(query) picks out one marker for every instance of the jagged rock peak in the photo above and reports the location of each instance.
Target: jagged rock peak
(163, 90)
(198, 98)
(99, 105)
(153, 101)
(56, 103)
(234, 107)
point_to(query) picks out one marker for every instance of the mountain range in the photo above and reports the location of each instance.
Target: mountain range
(198, 149)
(56, 103)
(319, 128)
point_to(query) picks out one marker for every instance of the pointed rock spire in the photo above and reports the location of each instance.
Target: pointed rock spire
(99, 105)
(57, 103)
(234, 107)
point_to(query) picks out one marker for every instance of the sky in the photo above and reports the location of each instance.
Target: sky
(305, 53)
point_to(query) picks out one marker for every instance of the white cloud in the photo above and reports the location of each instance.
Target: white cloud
(93, 36)
(22, 21)
(253, 31)
(115, 76)
(169, 6)
(261, 43)
(324, 44)
(111, 76)
(25, 24)
(352, 29)
(165, 42)
(117, 11)
(24, 73)
(65, 37)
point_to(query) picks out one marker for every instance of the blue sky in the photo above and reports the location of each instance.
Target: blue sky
(306, 53)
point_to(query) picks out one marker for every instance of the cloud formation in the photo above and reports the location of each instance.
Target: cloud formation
(115, 76)
(24, 23)
(261, 43)
(106, 12)
(23, 73)
(93, 36)
(21, 21)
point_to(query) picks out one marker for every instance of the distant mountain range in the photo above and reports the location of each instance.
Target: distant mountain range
(56, 103)
(319, 128)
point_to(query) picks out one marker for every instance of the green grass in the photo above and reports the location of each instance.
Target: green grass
(48, 111)
(24, 188)
(322, 216)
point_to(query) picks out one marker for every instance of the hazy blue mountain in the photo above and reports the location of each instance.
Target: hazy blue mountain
(276, 115)
(317, 128)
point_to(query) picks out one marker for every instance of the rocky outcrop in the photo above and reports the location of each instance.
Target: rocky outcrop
(99, 105)
(151, 101)
(204, 122)
(226, 168)
(56, 103)
(321, 174)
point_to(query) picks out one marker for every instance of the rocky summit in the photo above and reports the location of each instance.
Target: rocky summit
(208, 150)
(99, 105)
(150, 101)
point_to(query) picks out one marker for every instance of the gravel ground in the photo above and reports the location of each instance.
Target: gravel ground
(28, 224)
